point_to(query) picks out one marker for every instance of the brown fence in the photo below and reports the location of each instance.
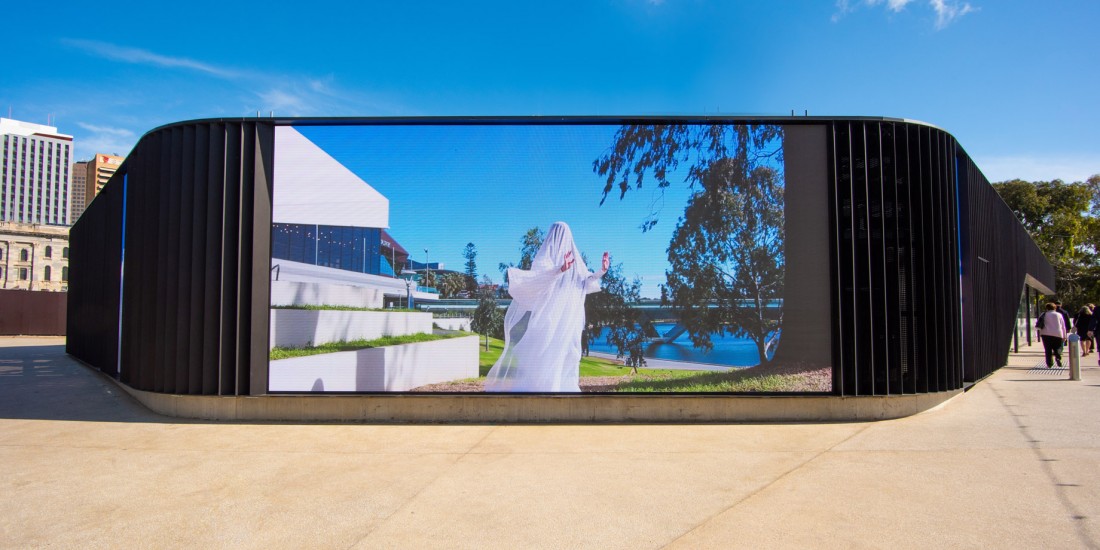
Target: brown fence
(29, 312)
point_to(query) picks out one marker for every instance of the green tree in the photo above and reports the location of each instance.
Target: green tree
(1064, 221)
(450, 284)
(488, 319)
(611, 309)
(529, 246)
(1055, 214)
(429, 279)
(726, 254)
(470, 253)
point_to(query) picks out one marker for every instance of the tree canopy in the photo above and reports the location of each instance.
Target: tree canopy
(726, 262)
(611, 309)
(529, 246)
(1064, 221)
(450, 284)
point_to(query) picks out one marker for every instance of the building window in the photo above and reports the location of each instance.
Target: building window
(65, 252)
(65, 273)
(24, 255)
(47, 272)
(49, 249)
(22, 274)
(349, 248)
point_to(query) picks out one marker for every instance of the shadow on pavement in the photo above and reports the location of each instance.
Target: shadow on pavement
(41, 382)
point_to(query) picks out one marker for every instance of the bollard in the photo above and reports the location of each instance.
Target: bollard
(1074, 357)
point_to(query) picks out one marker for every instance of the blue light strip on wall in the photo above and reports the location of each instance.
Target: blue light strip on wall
(121, 277)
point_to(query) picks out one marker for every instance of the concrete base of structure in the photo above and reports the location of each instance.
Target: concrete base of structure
(481, 408)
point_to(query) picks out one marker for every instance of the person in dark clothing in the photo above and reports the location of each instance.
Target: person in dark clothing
(1082, 324)
(1094, 330)
(1063, 313)
(1091, 329)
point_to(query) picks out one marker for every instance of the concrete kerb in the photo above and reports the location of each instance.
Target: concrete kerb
(521, 409)
(480, 408)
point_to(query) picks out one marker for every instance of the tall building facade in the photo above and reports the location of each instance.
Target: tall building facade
(99, 171)
(80, 178)
(35, 174)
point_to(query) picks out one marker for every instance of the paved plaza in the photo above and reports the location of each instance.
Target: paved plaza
(1012, 463)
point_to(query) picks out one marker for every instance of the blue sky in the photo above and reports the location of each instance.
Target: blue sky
(451, 185)
(1015, 81)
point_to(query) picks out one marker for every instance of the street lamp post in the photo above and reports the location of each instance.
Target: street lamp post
(427, 268)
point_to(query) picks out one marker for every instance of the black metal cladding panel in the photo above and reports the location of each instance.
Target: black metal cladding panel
(212, 329)
(997, 255)
(94, 260)
(187, 325)
(896, 259)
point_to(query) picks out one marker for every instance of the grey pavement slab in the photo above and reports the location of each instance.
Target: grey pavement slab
(1012, 463)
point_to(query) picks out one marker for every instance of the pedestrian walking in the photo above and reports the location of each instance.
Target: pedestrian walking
(1052, 331)
(1082, 325)
(1094, 329)
(1062, 312)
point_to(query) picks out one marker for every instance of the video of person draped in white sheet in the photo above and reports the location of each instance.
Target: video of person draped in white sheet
(530, 258)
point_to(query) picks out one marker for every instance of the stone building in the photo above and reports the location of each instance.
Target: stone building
(34, 257)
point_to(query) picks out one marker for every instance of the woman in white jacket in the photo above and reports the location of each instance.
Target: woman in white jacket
(1052, 330)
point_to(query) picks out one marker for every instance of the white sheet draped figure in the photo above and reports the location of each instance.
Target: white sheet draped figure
(542, 327)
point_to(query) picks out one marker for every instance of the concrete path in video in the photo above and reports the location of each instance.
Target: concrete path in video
(1012, 463)
(652, 363)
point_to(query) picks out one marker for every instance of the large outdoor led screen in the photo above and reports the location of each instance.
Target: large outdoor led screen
(548, 258)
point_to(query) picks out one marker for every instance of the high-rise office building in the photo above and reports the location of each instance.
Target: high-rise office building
(80, 177)
(99, 170)
(35, 175)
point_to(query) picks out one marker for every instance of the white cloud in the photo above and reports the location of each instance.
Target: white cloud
(244, 93)
(285, 102)
(946, 13)
(120, 132)
(892, 5)
(102, 139)
(87, 145)
(946, 10)
(1035, 168)
(301, 97)
(316, 97)
(145, 57)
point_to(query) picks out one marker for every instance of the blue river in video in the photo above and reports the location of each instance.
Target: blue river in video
(728, 350)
